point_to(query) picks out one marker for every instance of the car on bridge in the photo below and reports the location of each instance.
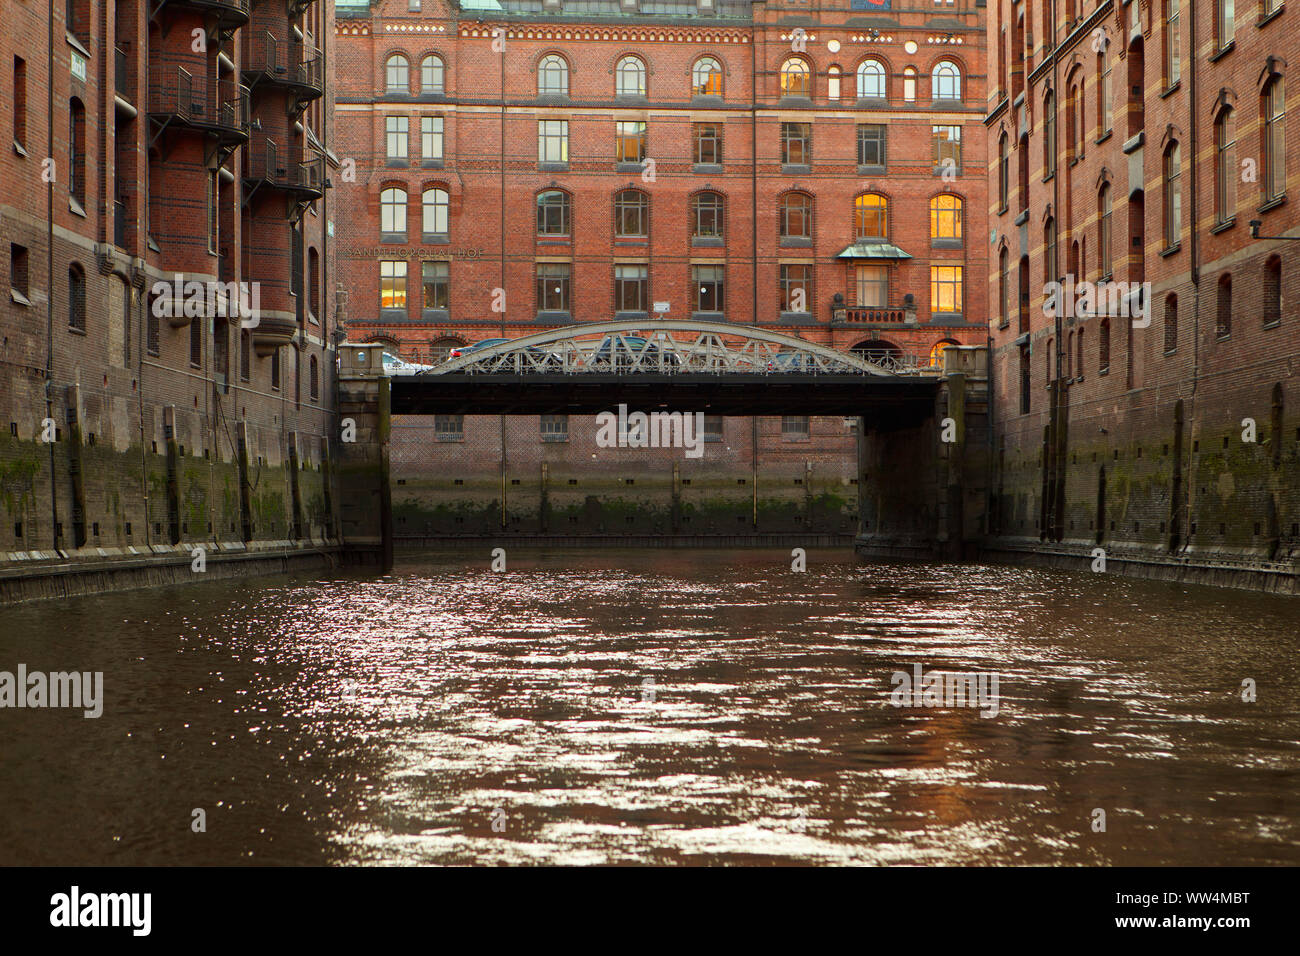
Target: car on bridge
(476, 347)
(397, 366)
(623, 358)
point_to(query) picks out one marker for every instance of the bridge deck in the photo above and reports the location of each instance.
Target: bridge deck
(730, 394)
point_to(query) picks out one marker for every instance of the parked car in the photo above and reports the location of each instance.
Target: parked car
(632, 344)
(476, 347)
(397, 366)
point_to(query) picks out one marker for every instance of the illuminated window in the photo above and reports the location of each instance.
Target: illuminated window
(795, 79)
(909, 84)
(706, 77)
(392, 285)
(945, 217)
(630, 142)
(871, 216)
(945, 289)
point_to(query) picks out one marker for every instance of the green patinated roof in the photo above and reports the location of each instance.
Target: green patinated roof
(872, 249)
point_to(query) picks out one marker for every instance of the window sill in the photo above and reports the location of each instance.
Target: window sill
(707, 100)
(1022, 218)
(1170, 352)
(1223, 51)
(624, 166)
(1169, 91)
(396, 163)
(1271, 204)
(1168, 251)
(73, 330)
(431, 163)
(1269, 18)
(1103, 137)
(435, 315)
(1002, 210)
(870, 170)
(952, 170)
(796, 169)
(556, 241)
(1275, 324)
(391, 239)
(1224, 337)
(1049, 177)
(796, 242)
(435, 238)
(707, 316)
(554, 315)
(1132, 144)
(631, 316)
(553, 167)
(631, 241)
(1104, 371)
(19, 297)
(1223, 226)
(946, 243)
(706, 168)
(713, 242)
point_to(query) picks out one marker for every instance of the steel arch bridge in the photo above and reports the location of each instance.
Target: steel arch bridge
(650, 347)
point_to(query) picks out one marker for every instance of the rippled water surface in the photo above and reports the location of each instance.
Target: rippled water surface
(674, 707)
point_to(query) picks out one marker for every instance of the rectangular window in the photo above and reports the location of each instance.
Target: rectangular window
(873, 287)
(392, 285)
(713, 428)
(431, 138)
(710, 288)
(554, 427)
(449, 427)
(20, 101)
(631, 142)
(552, 141)
(796, 144)
(245, 353)
(275, 369)
(1224, 22)
(196, 341)
(395, 138)
(871, 144)
(794, 427)
(436, 279)
(213, 205)
(708, 143)
(947, 147)
(945, 289)
(1173, 53)
(18, 274)
(796, 288)
(631, 288)
(553, 280)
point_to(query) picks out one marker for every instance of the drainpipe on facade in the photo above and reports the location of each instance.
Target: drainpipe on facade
(501, 419)
(49, 283)
(1195, 251)
(753, 172)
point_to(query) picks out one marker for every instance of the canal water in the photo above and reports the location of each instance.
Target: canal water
(657, 706)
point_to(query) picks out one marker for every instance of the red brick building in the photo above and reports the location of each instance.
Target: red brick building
(755, 162)
(145, 144)
(1138, 142)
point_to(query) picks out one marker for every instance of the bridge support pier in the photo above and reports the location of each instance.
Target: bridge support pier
(923, 475)
(365, 500)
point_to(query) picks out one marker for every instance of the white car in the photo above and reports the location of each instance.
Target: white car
(396, 366)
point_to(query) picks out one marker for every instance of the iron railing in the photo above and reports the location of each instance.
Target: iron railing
(221, 105)
(287, 168)
(286, 61)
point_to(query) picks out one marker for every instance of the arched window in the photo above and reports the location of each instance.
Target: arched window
(909, 84)
(1273, 291)
(1171, 322)
(1173, 194)
(796, 216)
(1050, 273)
(945, 81)
(631, 215)
(1004, 287)
(936, 353)
(1049, 134)
(436, 207)
(77, 151)
(871, 80)
(313, 282)
(1004, 172)
(945, 217)
(795, 78)
(440, 349)
(706, 77)
(629, 77)
(1172, 48)
(1225, 171)
(1223, 311)
(397, 74)
(313, 379)
(1274, 140)
(1105, 256)
(1074, 123)
(871, 216)
(432, 74)
(77, 298)
(833, 83)
(553, 213)
(392, 212)
(706, 216)
(553, 76)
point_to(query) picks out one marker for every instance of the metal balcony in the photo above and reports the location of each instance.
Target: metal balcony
(863, 314)
(294, 66)
(229, 14)
(218, 108)
(273, 165)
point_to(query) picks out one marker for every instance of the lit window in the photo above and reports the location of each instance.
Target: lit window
(392, 285)
(795, 80)
(945, 289)
(871, 216)
(945, 217)
(706, 77)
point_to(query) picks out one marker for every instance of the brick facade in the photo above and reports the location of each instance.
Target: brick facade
(1133, 438)
(155, 131)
